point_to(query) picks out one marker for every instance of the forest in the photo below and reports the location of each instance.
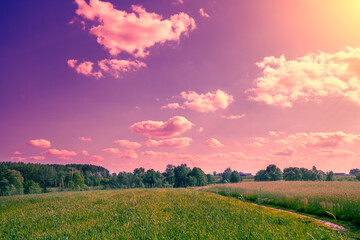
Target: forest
(28, 178)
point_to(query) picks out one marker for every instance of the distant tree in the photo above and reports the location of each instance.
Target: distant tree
(316, 175)
(261, 176)
(31, 187)
(354, 171)
(78, 180)
(330, 176)
(11, 181)
(201, 178)
(292, 174)
(169, 174)
(153, 178)
(225, 176)
(273, 172)
(181, 175)
(358, 176)
(235, 177)
(210, 179)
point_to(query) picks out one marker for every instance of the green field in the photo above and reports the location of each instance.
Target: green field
(148, 214)
(341, 199)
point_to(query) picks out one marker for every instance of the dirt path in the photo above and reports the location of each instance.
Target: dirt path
(329, 224)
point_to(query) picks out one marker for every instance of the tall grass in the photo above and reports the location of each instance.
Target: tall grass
(148, 214)
(341, 199)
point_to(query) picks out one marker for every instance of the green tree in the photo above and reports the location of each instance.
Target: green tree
(358, 176)
(330, 176)
(181, 175)
(169, 174)
(292, 174)
(273, 172)
(225, 176)
(235, 177)
(210, 178)
(200, 176)
(31, 187)
(261, 176)
(354, 171)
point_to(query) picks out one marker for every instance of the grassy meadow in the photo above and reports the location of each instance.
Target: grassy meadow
(342, 199)
(149, 214)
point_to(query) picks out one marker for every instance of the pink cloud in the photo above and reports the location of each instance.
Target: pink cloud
(62, 154)
(203, 13)
(96, 158)
(128, 154)
(208, 102)
(232, 117)
(214, 143)
(85, 139)
(115, 67)
(201, 129)
(85, 153)
(308, 78)
(336, 153)
(258, 142)
(171, 143)
(128, 144)
(37, 158)
(118, 31)
(173, 127)
(41, 143)
(17, 153)
(85, 68)
(172, 106)
(112, 150)
(321, 139)
(286, 152)
(177, 2)
(18, 158)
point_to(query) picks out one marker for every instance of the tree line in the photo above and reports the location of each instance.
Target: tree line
(273, 173)
(21, 178)
(28, 178)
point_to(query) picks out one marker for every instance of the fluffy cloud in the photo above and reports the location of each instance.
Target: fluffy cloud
(208, 102)
(128, 144)
(321, 139)
(116, 67)
(41, 143)
(85, 153)
(232, 117)
(36, 158)
(85, 139)
(17, 153)
(62, 154)
(113, 67)
(177, 2)
(128, 155)
(173, 127)
(203, 13)
(172, 143)
(85, 68)
(214, 143)
(286, 152)
(172, 106)
(119, 31)
(309, 78)
(112, 150)
(96, 158)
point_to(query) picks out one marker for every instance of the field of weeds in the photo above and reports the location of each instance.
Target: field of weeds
(148, 214)
(339, 199)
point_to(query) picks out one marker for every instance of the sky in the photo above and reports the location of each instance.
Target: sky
(209, 83)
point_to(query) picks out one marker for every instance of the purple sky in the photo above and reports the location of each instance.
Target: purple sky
(249, 83)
